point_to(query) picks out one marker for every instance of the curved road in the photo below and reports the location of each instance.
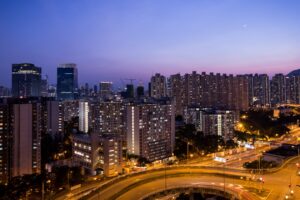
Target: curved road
(276, 184)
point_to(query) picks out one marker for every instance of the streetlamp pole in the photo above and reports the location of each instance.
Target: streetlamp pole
(187, 151)
(43, 190)
(224, 176)
(165, 175)
(68, 177)
(258, 164)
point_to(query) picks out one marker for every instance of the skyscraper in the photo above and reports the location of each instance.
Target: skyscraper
(44, 87)
(105, 89)
(129, 91)
(26, 80)
(158, 86)
(140, 91)
(67, 82)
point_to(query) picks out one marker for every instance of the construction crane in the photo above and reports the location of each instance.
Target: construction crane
(141, 83)
(131, 80)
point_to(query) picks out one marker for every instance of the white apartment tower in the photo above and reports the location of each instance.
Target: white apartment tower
(151, 130)
(84, 116)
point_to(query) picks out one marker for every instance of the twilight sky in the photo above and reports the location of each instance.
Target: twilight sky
(118, 39)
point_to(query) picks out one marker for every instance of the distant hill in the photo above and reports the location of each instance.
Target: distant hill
(294, 73)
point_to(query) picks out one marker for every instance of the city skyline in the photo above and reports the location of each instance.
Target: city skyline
(115, 40)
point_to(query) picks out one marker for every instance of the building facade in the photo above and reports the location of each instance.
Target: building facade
(84, 116)
(151, 130)
(105, 89)
(209, 90)
(26, 80)
(26, 137)
(98, 153)
(5, 143)
(259, 85)
(278, 89)
(67, 82)
(158, 86)
(212, 122)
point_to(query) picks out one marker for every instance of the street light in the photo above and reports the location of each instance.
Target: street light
(244, 116)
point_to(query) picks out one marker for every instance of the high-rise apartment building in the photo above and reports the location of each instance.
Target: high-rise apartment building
(259, 89)
(211, 122)
(84, 116)
(238, 93)
(26, 80)
(108, 117)
(209, 90)
(175, 83)
(293, 89)
(70, 109)
(219, 123)
(158, 86)
(53, 119)
(67, 82)
(151, 130)
(26, 137)
(105, 89)
(278, 89)
(23, 123)
(5, 142)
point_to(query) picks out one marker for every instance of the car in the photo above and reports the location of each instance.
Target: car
(288, 196)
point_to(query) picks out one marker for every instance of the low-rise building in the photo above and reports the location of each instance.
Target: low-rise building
(98, 153)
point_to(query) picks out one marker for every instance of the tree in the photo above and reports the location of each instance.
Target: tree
(183, 196)
(262, 124)
(230, 144)
(143, 161)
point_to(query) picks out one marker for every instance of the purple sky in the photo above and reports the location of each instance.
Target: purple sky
(113, 40)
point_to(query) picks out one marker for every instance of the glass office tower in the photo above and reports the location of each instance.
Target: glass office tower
(26, 80)
(67, 82)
